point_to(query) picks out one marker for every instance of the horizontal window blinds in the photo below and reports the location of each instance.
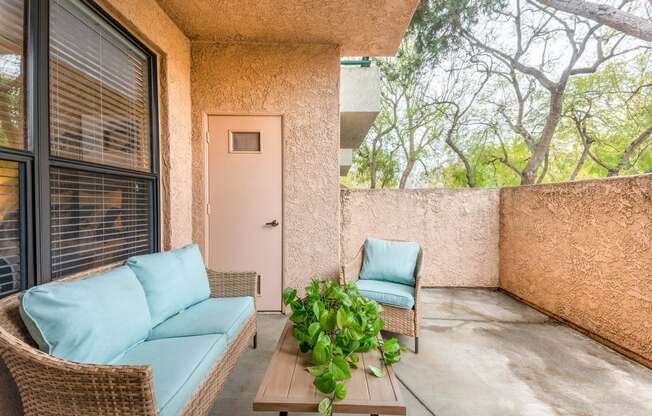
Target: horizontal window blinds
(99, 91)
(10, 236)
(12, 111)
(97, 219)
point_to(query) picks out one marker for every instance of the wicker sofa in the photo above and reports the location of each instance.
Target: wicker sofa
(53, 386)
(397, 319)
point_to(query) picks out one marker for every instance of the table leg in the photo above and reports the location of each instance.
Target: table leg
(282, 413)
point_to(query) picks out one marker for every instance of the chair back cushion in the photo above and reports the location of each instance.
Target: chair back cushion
(90, 320)
(173, 280)
(390, 261)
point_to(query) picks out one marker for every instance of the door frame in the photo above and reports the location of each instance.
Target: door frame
(204, 141)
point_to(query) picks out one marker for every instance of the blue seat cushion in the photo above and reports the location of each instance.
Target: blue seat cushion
(388, 293)
(179, 366)
(390, 261)
(90, 320)
(212, 316)
(173, 280)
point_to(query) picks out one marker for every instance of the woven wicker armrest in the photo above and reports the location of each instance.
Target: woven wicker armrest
(52, 386)
(351, 270)
(231, 284)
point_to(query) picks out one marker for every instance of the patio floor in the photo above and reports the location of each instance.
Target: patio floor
(483, 353)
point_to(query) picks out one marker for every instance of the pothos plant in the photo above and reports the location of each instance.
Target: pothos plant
(335, 323)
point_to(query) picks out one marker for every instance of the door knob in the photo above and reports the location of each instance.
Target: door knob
(272, 223)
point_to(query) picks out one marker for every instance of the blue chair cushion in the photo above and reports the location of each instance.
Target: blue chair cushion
(212, 316)
(390, 261)
(388, 293)
(179, 366)
(89, 320)
(173, 280)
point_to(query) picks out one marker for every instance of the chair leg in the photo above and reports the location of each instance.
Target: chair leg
(416, 345)
(256, 340)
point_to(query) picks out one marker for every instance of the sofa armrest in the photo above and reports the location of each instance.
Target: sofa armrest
(351, 270)
(51, 386)
(231, 284)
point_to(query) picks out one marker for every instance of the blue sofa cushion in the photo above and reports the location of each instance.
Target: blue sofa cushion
(179, 366)
(388, 293)
(212, 316)
(89, 320)
(173, 280)
(390, 261)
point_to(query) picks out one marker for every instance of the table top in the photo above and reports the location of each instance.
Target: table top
(287, 387)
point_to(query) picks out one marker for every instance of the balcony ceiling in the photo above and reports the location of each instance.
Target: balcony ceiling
(361, 27)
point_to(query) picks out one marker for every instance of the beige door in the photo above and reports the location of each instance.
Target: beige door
(245, 200)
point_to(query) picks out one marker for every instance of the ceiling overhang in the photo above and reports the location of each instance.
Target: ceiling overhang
(360, 27)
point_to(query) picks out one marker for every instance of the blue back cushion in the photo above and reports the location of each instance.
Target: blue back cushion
(173, 280)
(90, 320)
(390, 261)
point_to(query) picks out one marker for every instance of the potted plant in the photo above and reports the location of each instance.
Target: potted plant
(335, 323)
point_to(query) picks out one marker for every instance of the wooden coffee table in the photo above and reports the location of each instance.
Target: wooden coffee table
(287, 387)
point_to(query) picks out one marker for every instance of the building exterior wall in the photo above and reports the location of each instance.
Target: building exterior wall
(301, 83)
(147, 21)
(583, 252)
(457, 228)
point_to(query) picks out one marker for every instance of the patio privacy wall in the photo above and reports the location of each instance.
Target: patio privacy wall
(457, 228)
(583, 252)
(301, 83)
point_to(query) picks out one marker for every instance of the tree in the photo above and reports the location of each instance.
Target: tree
(607, 15)
(535, 27)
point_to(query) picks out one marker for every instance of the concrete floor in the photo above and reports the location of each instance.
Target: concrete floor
(483, 353)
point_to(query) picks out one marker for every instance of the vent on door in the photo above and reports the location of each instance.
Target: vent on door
(244, 142)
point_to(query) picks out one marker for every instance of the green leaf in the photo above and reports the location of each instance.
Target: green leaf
(325, 383)
(317, 308)
(340, 391)
(342, 318)
(313, 329)
(317, 370)
(343, 367)
(328, 320)
(326, 407)
(321, 352)
(289, 294)
(376, 371)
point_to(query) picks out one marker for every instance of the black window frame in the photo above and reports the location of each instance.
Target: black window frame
(35, 163)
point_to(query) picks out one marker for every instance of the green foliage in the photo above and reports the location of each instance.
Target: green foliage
(334, 323)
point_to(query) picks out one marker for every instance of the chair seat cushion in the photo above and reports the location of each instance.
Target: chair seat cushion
(179, 367)
(173, 280)
(91, 320)
(212, 316)
(388, 293)
(390, 261)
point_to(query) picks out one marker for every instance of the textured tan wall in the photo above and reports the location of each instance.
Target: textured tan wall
(457, 228)
(146, 20)
(583, 251)
(300, 82)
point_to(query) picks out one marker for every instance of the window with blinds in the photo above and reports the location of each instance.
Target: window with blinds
(10, 236)
(96, 220)
(12, 110)
(99, 91)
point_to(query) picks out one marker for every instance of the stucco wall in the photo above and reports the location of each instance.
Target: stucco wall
(299, 82)
(457, 228)
(583, 251)
(146, 20)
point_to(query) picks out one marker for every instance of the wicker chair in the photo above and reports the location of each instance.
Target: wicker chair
(50, 386)
(397, 320)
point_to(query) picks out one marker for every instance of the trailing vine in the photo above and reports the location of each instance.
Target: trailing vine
(335, 323)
